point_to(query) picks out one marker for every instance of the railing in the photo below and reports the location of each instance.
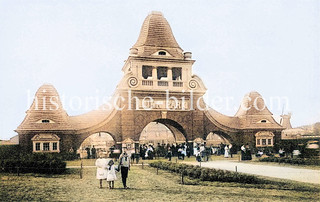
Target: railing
(147, 83)
(162, 83)
(177, 84)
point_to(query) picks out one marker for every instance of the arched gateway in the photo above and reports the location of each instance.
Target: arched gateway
(158, 85)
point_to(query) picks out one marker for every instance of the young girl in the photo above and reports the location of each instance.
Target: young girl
(111, 176)
(102, 171)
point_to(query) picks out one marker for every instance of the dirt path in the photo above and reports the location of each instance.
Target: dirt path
(297, 174)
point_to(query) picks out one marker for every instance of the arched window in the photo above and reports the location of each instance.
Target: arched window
(162, 53)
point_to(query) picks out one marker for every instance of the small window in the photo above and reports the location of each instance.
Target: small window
(263, 121)
(258, 142)
(162, 53)
(264, 142)
(269, 141)
(54, 146)
(46, 146)
(38, 146)
(45, 121)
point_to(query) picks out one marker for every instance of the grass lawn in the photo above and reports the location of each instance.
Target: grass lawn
(91, 162)
(145, 185)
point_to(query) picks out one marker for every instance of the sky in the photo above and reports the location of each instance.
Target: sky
(271, 46)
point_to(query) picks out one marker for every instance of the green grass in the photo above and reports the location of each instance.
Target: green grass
(145, 185)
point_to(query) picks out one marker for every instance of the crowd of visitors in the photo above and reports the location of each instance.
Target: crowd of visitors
(164, 150)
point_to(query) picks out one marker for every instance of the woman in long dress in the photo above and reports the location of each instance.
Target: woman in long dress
(111, 176)
(226, 151)
(102, 165)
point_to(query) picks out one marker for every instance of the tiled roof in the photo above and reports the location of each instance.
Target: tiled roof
(249, 115)
(253, 104)
(156, 34)
(254, 114)
(47, 106)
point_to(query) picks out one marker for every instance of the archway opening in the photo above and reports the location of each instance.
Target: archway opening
(220, 144)
(97, 144)
(157, 133)
(215, 140)
(160, 135)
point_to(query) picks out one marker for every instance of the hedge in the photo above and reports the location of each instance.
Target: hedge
(206, 174)
(15, 151)
(298, 161)
(33, 163)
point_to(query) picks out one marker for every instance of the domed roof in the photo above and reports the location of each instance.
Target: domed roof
(46, 112)
(156, 35)
(253, 104)
(46, 98)
(156, 31)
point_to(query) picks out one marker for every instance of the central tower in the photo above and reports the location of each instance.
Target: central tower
(158, 78)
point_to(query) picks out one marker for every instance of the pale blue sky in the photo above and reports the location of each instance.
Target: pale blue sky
(272, 47)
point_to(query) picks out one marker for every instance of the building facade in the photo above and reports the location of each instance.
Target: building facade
(158, 85)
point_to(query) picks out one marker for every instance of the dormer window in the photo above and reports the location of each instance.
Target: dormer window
(162, 53)
(263, 121)
(45, 121)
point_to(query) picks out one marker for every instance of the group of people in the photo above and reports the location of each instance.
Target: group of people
(91, 152)
(164, 150)
(147, 151)
(245, 153)
(203, 153)
(106, 169)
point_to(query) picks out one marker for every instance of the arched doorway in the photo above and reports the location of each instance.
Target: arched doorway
(102, 142)
(215, 140)
(160, 135)
(218, 142)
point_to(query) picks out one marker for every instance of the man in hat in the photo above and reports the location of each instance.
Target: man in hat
(124, 166)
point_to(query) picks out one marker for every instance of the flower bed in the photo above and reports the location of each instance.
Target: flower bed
(206, 174)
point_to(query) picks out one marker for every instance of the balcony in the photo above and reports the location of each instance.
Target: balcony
(177, 84)
(162, 83)
(147, 83)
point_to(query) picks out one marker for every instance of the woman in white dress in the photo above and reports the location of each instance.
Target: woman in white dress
(102, 165)
(226, 151)
(111, 176)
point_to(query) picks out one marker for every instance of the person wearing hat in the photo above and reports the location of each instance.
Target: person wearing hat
(124, 167)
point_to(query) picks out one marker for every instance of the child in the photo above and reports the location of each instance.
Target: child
(111, 176)
(102, 165)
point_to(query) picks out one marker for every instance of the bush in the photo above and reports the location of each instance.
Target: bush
(33, 163)
(9, 151)
(297, 161)
(206, 174)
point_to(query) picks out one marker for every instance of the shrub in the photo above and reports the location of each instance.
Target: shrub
(206, 174)
(33, 163)
(297, 161)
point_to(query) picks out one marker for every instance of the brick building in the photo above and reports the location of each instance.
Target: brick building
(158, 85)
